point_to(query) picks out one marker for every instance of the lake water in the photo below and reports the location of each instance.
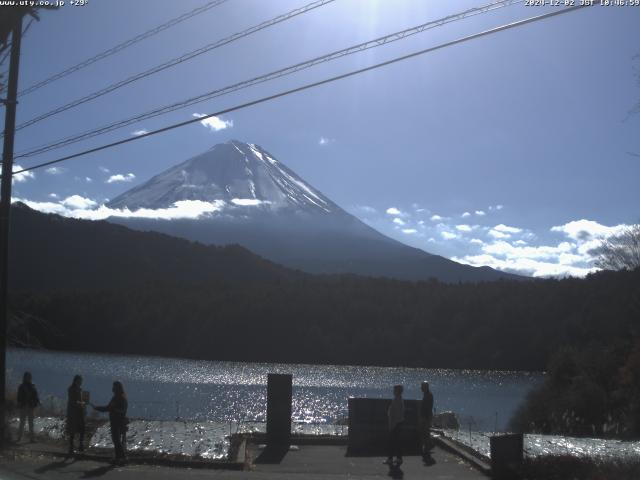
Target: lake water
(206, 391)
(540, 445)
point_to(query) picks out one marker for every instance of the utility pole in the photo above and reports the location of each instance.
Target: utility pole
(5, 210)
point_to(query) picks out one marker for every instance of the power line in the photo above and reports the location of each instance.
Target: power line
(8, 48)
(176, 61)
(122, 46)
(267, 77)
(310, 85)
(4, 57)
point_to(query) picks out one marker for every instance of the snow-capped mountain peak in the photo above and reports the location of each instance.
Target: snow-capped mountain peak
(259, 203)
(237, 173)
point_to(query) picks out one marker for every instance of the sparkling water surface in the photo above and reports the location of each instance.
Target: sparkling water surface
(540, 445)
(189, 407)
(168, 388)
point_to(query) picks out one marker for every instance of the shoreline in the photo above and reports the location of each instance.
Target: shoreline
(267, 363)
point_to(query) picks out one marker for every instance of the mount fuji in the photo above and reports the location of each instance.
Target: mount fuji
(256, 201)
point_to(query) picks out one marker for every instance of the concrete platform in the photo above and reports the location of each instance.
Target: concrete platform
(308, 462)
(331, 462)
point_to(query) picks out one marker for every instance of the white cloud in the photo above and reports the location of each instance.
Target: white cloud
(73, 207)
(503, 248)
(436, 218)
(393, 211)
(77, 202)
(499, 207)
(571, 256)
(409, 231)
(88, 179)
(480, 213)
(525, 266)
(121, 178)
(498, 234)
(587, 230)
(464, 228)
(46, 207)
(104, 169)
(53, 195)
(418, 208)
(214, 123)
(588, 234)
(247, 202)
(476, 241)
(466, 214)
(137, 133)
(54, 170)
(20, 177)
(322, 141)
(507, 229)
(398, 221)
(365, 209)
(448, 235)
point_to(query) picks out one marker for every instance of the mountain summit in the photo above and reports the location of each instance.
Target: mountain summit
(234, 172)
(266, 207)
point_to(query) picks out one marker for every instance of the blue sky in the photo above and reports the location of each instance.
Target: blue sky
(517, 150)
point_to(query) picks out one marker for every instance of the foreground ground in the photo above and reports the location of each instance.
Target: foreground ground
(309, 462)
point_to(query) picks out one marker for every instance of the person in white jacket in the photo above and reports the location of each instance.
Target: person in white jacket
(395, 414)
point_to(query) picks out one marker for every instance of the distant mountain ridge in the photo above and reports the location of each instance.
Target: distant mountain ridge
(50, 252)
(266, 207)
(84, 285)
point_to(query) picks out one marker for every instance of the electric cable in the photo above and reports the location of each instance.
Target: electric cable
(121, 46)
(311, 85)
(266, 77)
(175, 61)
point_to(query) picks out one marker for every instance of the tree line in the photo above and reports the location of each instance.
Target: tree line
(94, 286)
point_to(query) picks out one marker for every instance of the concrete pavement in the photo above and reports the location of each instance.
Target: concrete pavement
(312, 462)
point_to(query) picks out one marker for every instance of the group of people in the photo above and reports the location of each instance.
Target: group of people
(395, 415)
(28, 400)
(77, 401)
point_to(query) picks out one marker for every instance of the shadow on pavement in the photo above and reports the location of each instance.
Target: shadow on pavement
(428, 460)
(395, 471)
(98, 472)
(272, 454)
(55, 465)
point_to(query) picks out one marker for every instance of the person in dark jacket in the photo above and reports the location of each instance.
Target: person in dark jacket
(75, 413)
(395, 416)
(27, 401)
(426, 418)
(118, 421)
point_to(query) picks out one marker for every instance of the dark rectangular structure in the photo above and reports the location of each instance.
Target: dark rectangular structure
(279, 394)
(369, 427)
(506, 455)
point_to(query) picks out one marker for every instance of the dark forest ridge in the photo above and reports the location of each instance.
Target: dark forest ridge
(54, 252)
(149, 293)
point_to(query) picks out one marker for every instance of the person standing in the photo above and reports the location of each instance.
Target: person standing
(395, 415)
(118, 421)
(426, 417)
(27, 402)
(75, 413)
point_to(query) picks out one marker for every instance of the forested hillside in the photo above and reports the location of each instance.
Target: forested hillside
(93, 286)
(504, 325)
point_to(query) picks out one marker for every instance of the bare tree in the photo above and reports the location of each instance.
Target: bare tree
(620, 252)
